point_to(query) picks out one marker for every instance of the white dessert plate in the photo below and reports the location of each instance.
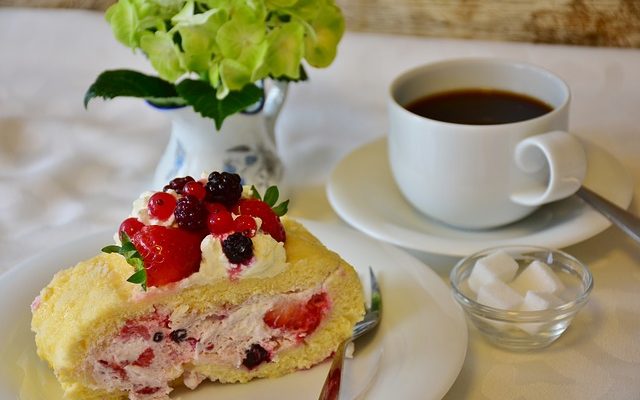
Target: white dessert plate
(416, 353)
(362, 191)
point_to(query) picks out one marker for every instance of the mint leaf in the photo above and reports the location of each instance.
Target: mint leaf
(111, 249)
(281, 209)
(133, 258)
(127, 83)
(139, 277)
(254, 193)
(271, 195)
(202, 97)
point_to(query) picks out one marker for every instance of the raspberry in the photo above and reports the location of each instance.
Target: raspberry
(238, 248)
(178, 183)
(161, 205)
(190, 213)
(224, 187)
(255, 356)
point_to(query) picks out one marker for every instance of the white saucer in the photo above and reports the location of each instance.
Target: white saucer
(363, 193)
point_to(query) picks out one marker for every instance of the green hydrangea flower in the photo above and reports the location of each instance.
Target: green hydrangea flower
(227, 44)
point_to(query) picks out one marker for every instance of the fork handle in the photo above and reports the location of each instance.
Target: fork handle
(331, 387)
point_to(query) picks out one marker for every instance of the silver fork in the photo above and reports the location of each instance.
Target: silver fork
(331, 388)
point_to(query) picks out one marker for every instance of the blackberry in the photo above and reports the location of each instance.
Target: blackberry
(238, 248)
(190, 213)
(255, 356)
(178, 335)
(178, 183)
(224, 187)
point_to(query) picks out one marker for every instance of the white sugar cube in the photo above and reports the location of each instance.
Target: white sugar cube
(496, 266)
(537, 277)
(537, 301)
(498, 294)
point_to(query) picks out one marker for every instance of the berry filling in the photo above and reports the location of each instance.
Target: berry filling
(150, 352)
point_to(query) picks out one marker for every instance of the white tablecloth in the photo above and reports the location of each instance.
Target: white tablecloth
(66, 172)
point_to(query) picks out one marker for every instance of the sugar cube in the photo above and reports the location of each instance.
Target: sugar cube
(498, 294)
(537, 301)
(495, 266)
(537, 277)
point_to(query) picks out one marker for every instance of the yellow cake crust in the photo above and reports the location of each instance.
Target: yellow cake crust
(94, 299)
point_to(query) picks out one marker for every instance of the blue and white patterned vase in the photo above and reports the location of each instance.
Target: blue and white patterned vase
(245, 145)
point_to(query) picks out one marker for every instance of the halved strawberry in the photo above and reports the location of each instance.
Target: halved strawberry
(168, 254)
(301, 318)
(259, 209)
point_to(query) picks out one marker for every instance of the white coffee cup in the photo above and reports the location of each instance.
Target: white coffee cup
(483, 176)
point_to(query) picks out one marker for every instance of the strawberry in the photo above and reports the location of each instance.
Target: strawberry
(168, 254)
(301, 318)
(259, 209)
(145, 358)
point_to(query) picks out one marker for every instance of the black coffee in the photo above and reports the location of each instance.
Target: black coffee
(479, 107)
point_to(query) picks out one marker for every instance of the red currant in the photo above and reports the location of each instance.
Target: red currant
(130, 226)
(195, 189)
(245, 224)
(214, 208)
(220, 223)
(161, 205)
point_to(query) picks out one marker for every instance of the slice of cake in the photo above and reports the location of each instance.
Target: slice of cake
(207, 281)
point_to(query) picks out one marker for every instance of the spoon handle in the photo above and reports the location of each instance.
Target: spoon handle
(623, 219)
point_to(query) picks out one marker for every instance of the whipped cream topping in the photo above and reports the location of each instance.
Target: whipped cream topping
(269, 259)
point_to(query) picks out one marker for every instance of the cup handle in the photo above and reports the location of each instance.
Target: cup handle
(555, 161)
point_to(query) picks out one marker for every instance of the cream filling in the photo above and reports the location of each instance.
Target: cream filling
(156, 349)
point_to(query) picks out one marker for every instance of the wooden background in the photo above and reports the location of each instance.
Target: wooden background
(580, 22)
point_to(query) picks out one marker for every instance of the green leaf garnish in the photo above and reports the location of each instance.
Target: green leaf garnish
(139, 277)
(271, 195)
(281, 209)
(129, 252)
(271, 198)
(254, 193)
